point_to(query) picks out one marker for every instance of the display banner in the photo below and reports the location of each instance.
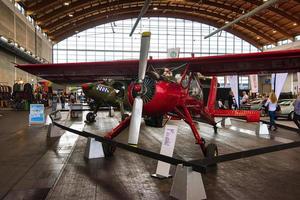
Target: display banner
(233, 81)
(167, 149)
(279, 82)
(37, 114)
(298, 77)
(254, 83)
(173, 53)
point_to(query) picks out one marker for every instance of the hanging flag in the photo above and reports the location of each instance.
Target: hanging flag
(279, 82)
(254, 83)
(233, 81)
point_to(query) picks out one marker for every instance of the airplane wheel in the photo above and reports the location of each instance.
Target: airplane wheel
(90, 117)
(108, 150)
(211, 151)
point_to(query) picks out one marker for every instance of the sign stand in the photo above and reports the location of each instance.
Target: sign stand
(187, 184)
(167, 149)
(37, 114)
(263, 129)
(93, 149)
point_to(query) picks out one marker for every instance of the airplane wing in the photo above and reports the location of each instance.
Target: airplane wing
(230, 64)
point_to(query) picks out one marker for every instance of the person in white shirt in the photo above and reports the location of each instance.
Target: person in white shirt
(272, 105)
(245, 98)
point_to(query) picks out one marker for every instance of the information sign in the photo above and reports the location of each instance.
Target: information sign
(37, 114)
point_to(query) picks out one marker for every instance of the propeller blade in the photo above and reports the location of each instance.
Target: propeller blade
(137, 109)
(145, 44)
(135, 122)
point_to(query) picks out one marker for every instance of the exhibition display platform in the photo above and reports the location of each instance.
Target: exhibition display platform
(34, 166)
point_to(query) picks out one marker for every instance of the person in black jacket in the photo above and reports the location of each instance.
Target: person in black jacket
(230, 100)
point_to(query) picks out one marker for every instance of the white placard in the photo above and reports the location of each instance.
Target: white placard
(280, 80)
(233, 81)
(254, 83)
(167, 149)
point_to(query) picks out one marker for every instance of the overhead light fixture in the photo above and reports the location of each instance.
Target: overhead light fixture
(155, 8)
(76, 31)
(295, 24)
(226, 22)
(71, 15)
(274, 31)
(257, 37)
(67, 3)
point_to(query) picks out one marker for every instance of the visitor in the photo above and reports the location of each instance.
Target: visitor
(54, 102)
(272, 106)
(62, 101)
(167, 72)
(245, 98)
(221, 104)
(297, 112)
(231, 100)
(72, 98)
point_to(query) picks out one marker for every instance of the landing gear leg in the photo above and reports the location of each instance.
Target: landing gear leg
(215, 129)
(110, 149)
(208, 151)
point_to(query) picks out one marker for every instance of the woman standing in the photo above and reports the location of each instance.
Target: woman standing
(297, 112)
(272, 105)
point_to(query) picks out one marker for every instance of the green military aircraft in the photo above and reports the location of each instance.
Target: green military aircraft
(105, 94)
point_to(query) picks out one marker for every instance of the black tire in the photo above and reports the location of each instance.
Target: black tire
(90, 117)
(108, 150)
(211, 151)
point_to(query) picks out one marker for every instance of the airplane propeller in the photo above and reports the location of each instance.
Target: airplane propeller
(137, 108)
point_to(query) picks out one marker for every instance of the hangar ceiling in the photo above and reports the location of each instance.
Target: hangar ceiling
(63, 18)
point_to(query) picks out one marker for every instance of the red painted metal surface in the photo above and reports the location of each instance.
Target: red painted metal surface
(166, 98)
(248, 63)
(212, 94)
(117, 130)
(249, 115)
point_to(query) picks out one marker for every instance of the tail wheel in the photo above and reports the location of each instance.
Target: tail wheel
(108, 150)
(211, 151)
(90, 117)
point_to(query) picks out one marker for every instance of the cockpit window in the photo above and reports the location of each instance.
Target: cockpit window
(195, 89)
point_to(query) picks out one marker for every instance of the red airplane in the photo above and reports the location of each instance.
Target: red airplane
(155, 95)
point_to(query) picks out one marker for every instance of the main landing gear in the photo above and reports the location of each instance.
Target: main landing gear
(90, 117)
(211, 150)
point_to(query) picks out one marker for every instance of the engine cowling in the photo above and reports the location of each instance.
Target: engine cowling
(159, 97)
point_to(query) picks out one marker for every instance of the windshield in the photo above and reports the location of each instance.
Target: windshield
(286, 103)
(195, 89)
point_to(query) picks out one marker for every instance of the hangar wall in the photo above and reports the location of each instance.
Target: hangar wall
(14, 26)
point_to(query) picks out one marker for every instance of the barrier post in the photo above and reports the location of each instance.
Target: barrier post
(187, 184)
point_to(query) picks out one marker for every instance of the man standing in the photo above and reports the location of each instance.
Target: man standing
(245, 98)
(297, 112)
